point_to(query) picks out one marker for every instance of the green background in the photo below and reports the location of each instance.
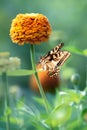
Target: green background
(67, 17)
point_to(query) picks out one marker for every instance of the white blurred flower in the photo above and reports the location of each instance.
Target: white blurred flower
(4, 61)
(8, 63)
(14, 63)
(15, 91)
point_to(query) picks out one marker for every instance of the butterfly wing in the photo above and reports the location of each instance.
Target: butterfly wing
(51, 53)
(62, 57)
(54, 72)
(54, 59)
(54, 65)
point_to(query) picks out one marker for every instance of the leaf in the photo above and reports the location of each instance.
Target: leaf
(20, 103)
(76, 50)
(40, 101)
(75, 96)
(74, 124)
(73, 49)
(69, 96)
(8, 111)
(20, 72)
(85, 52)
(59, 115)
(84, 115)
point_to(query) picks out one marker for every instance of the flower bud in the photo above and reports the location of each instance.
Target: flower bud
(75, 79)
(48, 83)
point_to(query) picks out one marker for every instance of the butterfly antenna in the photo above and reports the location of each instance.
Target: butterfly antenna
(61, 45)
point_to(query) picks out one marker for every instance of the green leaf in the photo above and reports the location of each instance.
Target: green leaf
(59, 115)
(39, 100)
(20, 72)
(75, 96)
(85, 52)
(73, 49)
(84, 115)
(69, 96)
(20, 103)
(74, 125)
(76, 50)
(8, 111)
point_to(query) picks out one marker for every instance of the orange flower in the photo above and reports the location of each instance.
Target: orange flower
(48, 83)
(30, 28)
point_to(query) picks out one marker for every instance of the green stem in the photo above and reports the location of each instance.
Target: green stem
(37, 78)
(4, 80)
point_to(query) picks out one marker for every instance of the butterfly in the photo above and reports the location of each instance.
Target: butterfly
(54, 59)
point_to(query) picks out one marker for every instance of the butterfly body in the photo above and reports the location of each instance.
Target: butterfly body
(54, 59)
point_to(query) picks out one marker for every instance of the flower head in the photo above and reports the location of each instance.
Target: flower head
(14, 63)
(48, 83)
(8, 63)
(4, 61)
(30, 28)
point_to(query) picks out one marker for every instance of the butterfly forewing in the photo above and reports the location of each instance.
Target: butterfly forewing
(50, 55)
(54, 59)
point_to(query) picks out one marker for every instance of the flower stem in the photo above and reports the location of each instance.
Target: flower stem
(4, 80)
(37, 78)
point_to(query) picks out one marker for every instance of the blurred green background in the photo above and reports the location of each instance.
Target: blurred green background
(68, 19)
